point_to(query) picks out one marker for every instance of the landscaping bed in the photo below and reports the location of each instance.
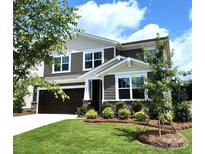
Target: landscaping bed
(167, 140)
(23, 113)
(152, 123)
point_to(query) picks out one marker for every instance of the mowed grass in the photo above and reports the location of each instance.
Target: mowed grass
(79, 137)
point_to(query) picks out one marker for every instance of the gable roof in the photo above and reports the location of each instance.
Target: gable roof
(111, 65)
(104, 66)
(90, 36)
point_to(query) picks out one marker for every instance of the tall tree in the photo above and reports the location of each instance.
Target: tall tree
(39, 27)
(159, 85)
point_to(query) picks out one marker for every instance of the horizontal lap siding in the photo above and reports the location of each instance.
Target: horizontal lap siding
(108, 54)
(109, 87)
(76, 66)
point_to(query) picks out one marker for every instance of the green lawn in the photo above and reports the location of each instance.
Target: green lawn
(76, 137)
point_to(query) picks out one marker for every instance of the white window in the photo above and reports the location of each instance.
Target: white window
(124, 88)
(152, 51)
(130, 87)
(92, 59)
(61, 64)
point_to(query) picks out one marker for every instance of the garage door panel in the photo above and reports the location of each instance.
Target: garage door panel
(49, 104)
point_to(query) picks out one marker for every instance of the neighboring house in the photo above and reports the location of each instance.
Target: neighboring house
(97, 70)
(31, 97)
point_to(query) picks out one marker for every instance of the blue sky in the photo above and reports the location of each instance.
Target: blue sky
(134, 20)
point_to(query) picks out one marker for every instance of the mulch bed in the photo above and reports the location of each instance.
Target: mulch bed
(167, 139)
(21, 114)
(152, 123)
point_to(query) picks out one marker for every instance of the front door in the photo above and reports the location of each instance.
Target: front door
(96, 96)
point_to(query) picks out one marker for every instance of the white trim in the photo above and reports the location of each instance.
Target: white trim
(115, 100)
(127, 75)
(99, 67)
(97, 37)
(115, 51)
(67, 87)
(92, 52)
(103, 90)
(69, 63)
(124, 61)
(37, 99)
(130, 72)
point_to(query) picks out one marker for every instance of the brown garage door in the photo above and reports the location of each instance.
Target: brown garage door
(49, 104)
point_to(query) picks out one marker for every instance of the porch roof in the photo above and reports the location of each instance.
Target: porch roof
(114, 64)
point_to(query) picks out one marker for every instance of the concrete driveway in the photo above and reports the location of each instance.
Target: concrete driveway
(28, 122)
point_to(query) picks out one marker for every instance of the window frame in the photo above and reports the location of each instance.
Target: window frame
(93, 59)
(130, 88)
(61, 63)
(127, 88)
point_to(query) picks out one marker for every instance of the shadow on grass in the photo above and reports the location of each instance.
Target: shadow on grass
(130, 134)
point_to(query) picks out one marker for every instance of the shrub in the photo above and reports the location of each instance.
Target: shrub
(182, 112)
(168, 119)
(141, 116)
(123, 113)
(80, 111)
(106, 104)
(136, 106)
(119, 105)
(108, 113)
(18, 107)
(91, 114)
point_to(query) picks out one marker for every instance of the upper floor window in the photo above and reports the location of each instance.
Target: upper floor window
(62, 64)
(152, 51)
(92, 60)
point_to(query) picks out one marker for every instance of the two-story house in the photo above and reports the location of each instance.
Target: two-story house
(96, 69)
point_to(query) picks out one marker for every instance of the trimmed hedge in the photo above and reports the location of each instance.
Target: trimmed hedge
(136, 106)
(91, 114)
(80, 111)
(108, 113)
(141, 116)
(123, 113)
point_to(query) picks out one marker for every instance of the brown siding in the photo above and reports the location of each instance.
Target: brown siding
(76, 66)
(109, 87)
(134, 53)
(108, 54)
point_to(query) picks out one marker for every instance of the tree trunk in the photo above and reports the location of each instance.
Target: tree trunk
(146, 124)
(175, 131)
(160, 133)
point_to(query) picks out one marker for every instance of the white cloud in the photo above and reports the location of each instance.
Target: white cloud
(148, 32)
(110, 19)
(114, 20)
(182, 46)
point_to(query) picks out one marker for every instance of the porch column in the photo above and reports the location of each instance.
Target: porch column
(86, 91)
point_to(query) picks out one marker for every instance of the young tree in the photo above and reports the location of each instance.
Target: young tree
(159, 85)
(39, 27)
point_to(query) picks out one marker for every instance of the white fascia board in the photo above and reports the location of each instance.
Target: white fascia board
(138, 61)
(67, 80)
(124, 61)
(66, 87)
(92, 72)
(97, 38)
(118, 64)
